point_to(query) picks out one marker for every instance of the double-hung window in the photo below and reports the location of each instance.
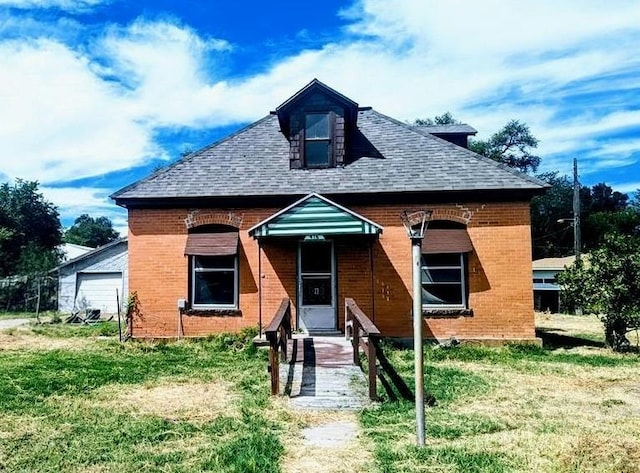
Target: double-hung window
(317, 140)
(443, 280)
(213, 266)
(215, 281)
(445, 250)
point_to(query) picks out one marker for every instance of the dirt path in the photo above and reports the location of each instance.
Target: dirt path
(11, 323)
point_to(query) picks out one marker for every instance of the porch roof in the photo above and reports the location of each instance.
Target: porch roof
(315, 215)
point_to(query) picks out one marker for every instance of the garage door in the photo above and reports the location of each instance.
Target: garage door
(98, 291)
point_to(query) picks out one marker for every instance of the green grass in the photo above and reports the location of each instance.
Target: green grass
(51, 417)
(21, 315)
(528, 357)
(62, 330)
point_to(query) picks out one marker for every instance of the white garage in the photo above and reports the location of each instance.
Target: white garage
(99, 291)
(95, 280)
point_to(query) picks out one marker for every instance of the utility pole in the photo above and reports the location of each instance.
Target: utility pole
(576, 210)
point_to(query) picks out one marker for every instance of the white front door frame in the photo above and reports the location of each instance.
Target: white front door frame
(321, 317)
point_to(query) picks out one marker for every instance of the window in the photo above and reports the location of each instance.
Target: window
(213, 266)
(214, 281)
(443, 280)
(317, 140)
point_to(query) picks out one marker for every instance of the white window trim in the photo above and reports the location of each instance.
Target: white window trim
(194, 270)
(463, 286)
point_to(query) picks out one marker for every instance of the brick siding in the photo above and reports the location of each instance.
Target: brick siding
(378, 277)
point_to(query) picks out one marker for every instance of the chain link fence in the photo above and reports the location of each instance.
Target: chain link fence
(31, 293)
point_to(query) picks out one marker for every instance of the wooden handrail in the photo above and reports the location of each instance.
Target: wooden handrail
(362, 327)
(277, 333)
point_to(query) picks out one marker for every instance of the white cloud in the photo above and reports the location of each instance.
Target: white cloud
(75, 201)
(60, 121)
(76, 111)
(68, 5)
(627, 187)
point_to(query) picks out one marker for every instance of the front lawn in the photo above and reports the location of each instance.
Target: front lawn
(73, 403)
(73, 399)
(513, 409)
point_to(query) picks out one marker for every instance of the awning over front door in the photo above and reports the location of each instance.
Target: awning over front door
(315, 215)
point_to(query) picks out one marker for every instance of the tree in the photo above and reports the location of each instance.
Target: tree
(30, 230)
(605, 199)
(511, 145)
(444, 119)
(597, 225)
(551, 228)
(88, 231)
(608, 284)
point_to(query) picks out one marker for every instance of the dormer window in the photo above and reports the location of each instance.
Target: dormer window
(317, 140)
(317, 122)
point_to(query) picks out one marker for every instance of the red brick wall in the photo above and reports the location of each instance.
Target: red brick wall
(500, 285)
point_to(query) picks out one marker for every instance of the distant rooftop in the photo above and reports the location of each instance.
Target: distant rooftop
(458, 128)
(554, 263)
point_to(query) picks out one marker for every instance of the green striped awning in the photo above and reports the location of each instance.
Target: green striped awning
(315, 215)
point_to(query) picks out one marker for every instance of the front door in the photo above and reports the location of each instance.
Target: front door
(316, 286)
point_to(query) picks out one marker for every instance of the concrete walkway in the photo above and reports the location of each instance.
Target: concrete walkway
(321, 375)
(11, 323)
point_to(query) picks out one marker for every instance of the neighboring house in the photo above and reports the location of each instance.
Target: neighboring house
(94, 280)
(546, 292)
(72, 251)
(305, 204)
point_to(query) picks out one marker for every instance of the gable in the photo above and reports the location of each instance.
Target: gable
(315, 216)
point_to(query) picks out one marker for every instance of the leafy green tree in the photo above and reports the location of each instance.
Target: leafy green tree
(444, 119)
(88, 231)
(597, 225)
(512, 145)
(552, 234)
(605, 199)
(608, 284)
(30, 230)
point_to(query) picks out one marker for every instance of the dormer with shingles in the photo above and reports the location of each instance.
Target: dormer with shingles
(317, 122)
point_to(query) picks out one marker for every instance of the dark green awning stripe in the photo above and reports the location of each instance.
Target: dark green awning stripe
(316, 216)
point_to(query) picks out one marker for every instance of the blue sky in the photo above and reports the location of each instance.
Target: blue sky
(95, 94)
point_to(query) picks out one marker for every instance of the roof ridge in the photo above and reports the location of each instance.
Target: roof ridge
(188, 157)
(93, 252)
(479, 157)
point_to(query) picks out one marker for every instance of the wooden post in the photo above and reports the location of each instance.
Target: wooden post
(38, 301)
(356, 344)
(371, 356)
(274, 363)
(119, 323)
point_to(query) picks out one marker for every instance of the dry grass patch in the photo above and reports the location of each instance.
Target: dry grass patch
(552, 415)
(569, 325)
(24, 339)
(188, 401)
(350, 456)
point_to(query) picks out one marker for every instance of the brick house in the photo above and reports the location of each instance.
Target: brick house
(305, 203)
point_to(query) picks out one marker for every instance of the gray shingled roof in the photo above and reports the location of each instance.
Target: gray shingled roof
(457, 128)
(391, 157)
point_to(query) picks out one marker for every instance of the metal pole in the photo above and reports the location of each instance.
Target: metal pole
(576, 210)
(417, 338)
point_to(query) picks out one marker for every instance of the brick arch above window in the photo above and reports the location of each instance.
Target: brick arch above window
(460, 213)
(198, 218)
